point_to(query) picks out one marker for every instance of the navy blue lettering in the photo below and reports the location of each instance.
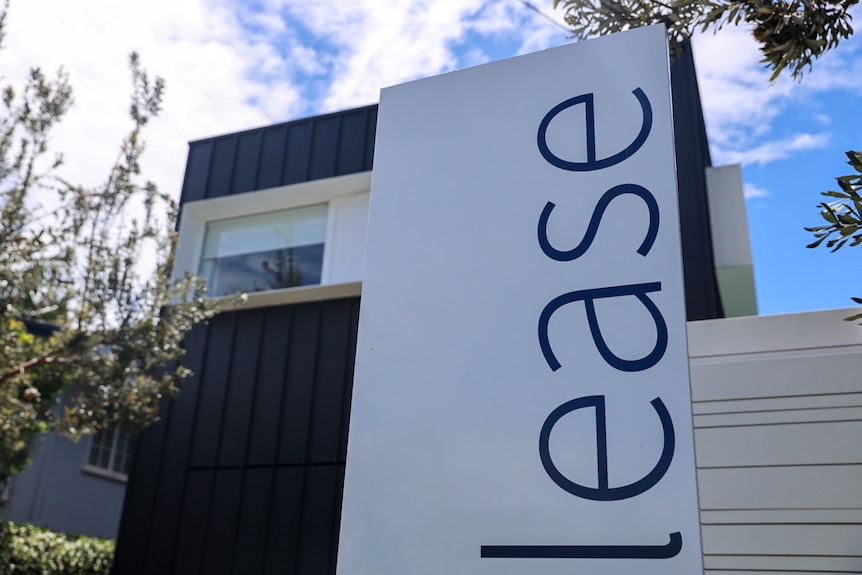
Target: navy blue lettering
(592, 163)
(604, 492)
(592, 228)
(588, 296)
(670, 549)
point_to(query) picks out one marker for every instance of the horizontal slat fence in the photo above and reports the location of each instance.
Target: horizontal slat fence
(777, 407)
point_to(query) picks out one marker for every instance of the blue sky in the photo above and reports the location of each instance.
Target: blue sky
(233, 65)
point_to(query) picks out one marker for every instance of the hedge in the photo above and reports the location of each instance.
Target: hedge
(29, 550)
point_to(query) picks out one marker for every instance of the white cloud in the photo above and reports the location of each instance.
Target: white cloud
(383, 43)
(497, 18)
(741, 107)
(379, 44)
(541, 37)
(774, 150)
(217, 77)
(823, 119)
(739, 103)
(750, 191)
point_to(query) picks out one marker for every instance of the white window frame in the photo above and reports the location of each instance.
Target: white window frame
(344, 244)
(6, 492)
(108, 472)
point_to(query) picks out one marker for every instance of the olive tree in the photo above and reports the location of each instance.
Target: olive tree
(70, 260)
(843, 215)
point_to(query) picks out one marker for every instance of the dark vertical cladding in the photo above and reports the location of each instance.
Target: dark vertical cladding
(244, 472)
(247, 159)
(197, 171)
(297, 159)
(223, 167)
(222, 499)
(324, 146)
(692, 159)
(271, 158)
(354, 126)
(299, 151)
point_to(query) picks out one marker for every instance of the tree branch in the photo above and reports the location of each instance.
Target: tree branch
(45, 359)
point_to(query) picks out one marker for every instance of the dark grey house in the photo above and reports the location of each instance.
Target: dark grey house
(243, 474)
(73, 487)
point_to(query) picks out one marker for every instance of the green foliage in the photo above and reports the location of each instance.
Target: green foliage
(76, 265)
(29, 550)
(792, 34)
(843, 215)
(23, 411)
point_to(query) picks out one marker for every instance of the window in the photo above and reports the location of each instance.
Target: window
(275, 250)
(111, 453)
(289, 244)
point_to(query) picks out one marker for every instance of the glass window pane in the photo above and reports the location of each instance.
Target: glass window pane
(108, 441)
(111, 449)
(123, 454)
(104, 459)
(94, 454)
(263, 252)
(100, 447)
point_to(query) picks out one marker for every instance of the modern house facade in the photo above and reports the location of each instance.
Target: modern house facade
(244, 472)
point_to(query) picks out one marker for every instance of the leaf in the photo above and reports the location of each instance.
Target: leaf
(829, 215)
(842, 195)
(816, 243)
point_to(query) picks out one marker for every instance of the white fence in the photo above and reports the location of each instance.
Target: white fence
(777, 404)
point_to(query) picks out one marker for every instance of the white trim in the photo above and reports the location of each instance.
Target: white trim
(783, 354)
(6, 492)
(743, 336)
(335, 282)
(292, 295)
(329, 234)
(106, 473)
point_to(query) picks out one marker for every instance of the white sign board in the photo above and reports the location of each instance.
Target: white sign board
(521, 400)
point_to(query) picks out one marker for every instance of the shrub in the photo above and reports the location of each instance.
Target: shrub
(29, 550)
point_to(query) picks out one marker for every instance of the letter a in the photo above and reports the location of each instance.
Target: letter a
(589, 296)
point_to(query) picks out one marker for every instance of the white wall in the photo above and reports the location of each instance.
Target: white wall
(777, 404)
(731, 247)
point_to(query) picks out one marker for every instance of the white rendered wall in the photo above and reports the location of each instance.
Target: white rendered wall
(777, 404)
(731, 247)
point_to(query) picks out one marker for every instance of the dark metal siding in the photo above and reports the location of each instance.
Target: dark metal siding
(244, 472)
(244, 494)
(300, 151)
(702, 300)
